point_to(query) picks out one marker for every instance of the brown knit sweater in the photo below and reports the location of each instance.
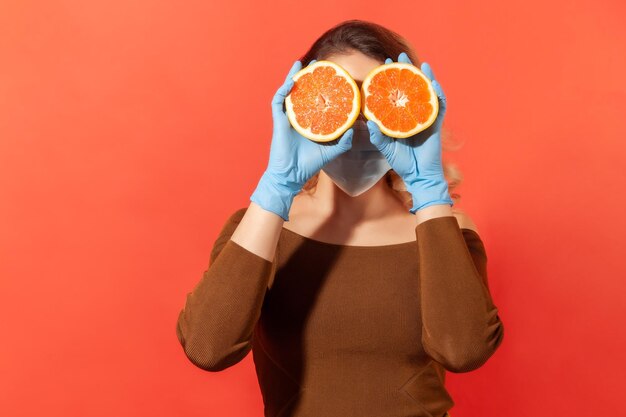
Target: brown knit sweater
(342, 331)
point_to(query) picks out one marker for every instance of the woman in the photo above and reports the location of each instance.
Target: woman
(353, 301)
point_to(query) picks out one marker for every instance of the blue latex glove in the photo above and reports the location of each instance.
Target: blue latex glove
(293, 159)
(417, 159)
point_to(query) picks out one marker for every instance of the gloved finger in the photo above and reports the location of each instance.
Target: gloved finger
(297, 66)
(344, 144)
(440, 94)
(432, 144)
(328, 153)
(404, 57)
(382, 142)
(388, 61)
(426, 69)
(279, 98)
(312, 61)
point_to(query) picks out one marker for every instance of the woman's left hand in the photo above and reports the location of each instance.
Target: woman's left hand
(417, 159)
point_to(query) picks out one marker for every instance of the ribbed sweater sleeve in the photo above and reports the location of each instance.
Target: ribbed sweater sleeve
(461, 328)
(215, 326)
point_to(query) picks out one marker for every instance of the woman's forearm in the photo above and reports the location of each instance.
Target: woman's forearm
(259, 231)
(216, 325)
(461, 328)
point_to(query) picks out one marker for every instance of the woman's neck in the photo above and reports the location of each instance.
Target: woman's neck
(376, 203)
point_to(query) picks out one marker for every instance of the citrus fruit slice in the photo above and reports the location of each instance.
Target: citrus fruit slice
(400, 98)
(323, 102)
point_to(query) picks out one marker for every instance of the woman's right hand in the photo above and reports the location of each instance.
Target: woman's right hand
(293, 159)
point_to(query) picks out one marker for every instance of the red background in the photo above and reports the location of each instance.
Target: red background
(130, 131)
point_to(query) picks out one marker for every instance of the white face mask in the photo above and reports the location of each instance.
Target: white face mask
(359, 168)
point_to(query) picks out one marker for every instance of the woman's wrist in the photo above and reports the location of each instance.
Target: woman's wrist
(429, 191)
(433, 211)
(272, 195)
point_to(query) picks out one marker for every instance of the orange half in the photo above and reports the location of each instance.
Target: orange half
(323, 102)
(400, 98)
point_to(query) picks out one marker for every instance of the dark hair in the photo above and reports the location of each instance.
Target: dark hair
(379, 43)
(369, 38)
